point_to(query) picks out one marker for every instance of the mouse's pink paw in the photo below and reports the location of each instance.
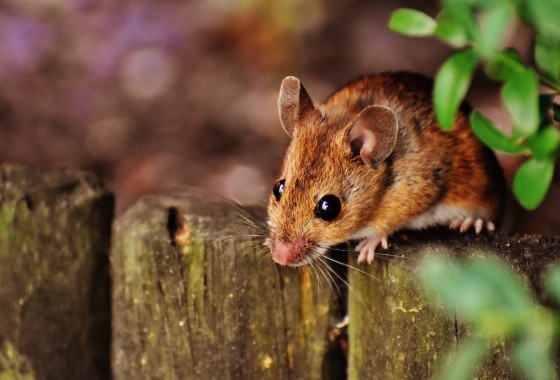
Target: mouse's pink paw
(467, 223)
(367, 248)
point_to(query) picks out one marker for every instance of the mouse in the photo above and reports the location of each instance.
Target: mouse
(372, 160)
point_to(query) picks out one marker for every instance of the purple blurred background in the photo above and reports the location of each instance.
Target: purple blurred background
(153, 95)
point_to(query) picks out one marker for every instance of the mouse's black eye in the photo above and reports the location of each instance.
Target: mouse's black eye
(328, 207)
(278, 189)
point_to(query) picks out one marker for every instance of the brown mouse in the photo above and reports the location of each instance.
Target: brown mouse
(371, 160)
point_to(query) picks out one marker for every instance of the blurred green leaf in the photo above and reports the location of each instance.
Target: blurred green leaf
(457, 26)
(492, 298)
(451, 84)
(463, 363)
(520, 95)
(496, 304)
(506, 293)
(543, 15)
(545, 142)
(532, 180)
(412, 22)
(504, 65)
(487, 132)
(552, 282)
(547, 56)
(436, 270)
(494, 24)
(533, 353)
(478, 4)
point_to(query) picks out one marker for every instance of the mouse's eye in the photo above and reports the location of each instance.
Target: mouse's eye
(328, 207)
(278, 189)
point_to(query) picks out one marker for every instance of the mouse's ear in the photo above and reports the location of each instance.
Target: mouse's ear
(374, 134)
(293, 103)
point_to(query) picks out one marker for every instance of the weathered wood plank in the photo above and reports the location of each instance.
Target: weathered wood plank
(195, 295)
(395, 334)
(55, 230)
(210, 305)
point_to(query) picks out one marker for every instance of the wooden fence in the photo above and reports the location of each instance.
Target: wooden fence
(194, 294)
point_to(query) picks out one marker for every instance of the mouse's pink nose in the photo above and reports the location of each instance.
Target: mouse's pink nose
(288, 254)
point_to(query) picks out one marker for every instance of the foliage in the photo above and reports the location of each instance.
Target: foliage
(478, 28)
(497, 306)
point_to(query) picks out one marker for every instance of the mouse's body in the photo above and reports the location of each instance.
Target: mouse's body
(371, 160)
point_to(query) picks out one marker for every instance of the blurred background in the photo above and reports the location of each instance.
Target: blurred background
(157, 95)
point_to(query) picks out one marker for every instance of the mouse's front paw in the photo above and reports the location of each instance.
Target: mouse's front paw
(367, 248)
(465, 224)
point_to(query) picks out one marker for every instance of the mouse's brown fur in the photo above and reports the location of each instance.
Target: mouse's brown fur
(429, 177)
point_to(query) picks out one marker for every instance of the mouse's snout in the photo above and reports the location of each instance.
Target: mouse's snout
(288, 253)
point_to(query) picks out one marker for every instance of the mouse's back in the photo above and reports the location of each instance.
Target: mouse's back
(369, 161)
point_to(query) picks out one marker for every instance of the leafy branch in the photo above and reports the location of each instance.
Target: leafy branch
(478, 28)
(496, 305)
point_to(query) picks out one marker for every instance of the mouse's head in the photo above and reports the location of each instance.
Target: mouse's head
(332, 177)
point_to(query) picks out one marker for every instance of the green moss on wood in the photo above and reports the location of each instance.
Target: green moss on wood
(212, 304)
(396, 332)
(54, 242)
(14, 365)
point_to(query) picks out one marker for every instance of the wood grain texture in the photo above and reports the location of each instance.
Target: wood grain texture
(196, 295)
(209, 304)
(55, 230)
(395, 333)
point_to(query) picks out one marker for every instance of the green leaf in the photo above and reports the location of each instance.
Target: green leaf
(532, 180)
(487, 132)
(543, 16)
(484, 293)
(457, 26)
(504, 298)
(451, 84)
(552, 282)
(476, 4)
(520, 95)
(462, 365)
(533, 354)
(494, 24)
(412, 22)
(545, 142)
(547, 56)
(504, 65)
(436, 271)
